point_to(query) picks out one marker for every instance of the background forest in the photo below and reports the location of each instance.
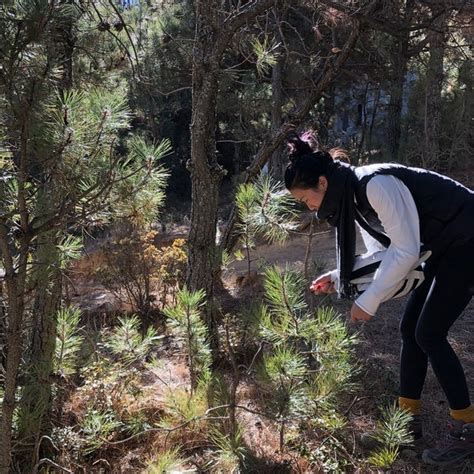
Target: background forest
(150, 319)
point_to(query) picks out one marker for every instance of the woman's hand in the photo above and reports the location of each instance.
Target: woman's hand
(322, 284)
(358, 314)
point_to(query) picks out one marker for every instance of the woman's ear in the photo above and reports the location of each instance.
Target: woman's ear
(323, 183)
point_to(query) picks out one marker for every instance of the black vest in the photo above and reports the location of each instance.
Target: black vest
(445, 207)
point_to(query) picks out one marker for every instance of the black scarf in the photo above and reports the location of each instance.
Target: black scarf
(339, 210)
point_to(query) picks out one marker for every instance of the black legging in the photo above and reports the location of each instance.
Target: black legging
(431, 310)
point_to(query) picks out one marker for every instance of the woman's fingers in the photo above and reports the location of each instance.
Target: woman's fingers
(325, 287)
(358, 314)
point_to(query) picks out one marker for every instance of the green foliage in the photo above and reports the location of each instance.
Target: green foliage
(136, 423)
(167, 461)
(186, 321)
(286, 370)
(96, 427)
(137, 203)
(184, 407)
(264, 210)
(329, 457)
(391, 432)
(283, 291)
(384, 457)
(308, 363)
(126, 342)
(265, 51)
(68, 341)
(231, 452)
(70, 248)
(331, 346)
(108, 384)
(109, 394)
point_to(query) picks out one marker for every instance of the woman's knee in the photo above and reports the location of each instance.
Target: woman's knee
(429, 341)
(407, 330)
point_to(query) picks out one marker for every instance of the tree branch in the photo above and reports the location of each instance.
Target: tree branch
(330, 71)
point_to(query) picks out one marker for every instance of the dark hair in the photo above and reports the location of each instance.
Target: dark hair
(306, 164)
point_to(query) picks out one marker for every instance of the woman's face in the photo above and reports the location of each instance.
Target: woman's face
(312, 197)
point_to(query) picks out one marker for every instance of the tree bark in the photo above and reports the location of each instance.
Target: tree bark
(15, 285)
(431, 156)
(205, 171)
(400, 59)
(276, 161)
(36, 401)
(212, 37)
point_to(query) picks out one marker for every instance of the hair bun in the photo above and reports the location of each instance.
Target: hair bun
(296, 146)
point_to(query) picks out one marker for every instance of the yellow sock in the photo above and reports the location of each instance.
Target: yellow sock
(410, 404)
(466, 415)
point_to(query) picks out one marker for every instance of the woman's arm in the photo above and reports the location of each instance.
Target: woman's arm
(396, 209)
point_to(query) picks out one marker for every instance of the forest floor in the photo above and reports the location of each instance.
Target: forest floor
(377, 353)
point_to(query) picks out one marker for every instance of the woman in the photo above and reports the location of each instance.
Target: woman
(401, 209)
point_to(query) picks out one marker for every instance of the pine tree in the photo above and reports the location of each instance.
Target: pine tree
(185, 319)
(62, 171)
(308, 363)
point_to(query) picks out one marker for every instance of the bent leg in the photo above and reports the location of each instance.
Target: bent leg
(447, 298)
(413, 360)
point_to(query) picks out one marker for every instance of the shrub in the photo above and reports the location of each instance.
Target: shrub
(139, 273)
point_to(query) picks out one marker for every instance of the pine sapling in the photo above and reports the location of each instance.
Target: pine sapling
(185, 319)
(307, 358)
(391, 432)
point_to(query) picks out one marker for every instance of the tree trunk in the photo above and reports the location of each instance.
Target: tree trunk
(276, 163)
(212, 36)
(396, 97)
(15, 285)
(431, 155)
(205, 171)
(36, 402)
(400, 61)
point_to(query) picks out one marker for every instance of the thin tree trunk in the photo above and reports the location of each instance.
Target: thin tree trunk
(36, 402)
(363, 122)
(432, 120)
(307, 262)
(15, 255)
(396, 97)
(276, 163)
(459, 149)
(15, 285)
(400, 61)
(372, 119)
